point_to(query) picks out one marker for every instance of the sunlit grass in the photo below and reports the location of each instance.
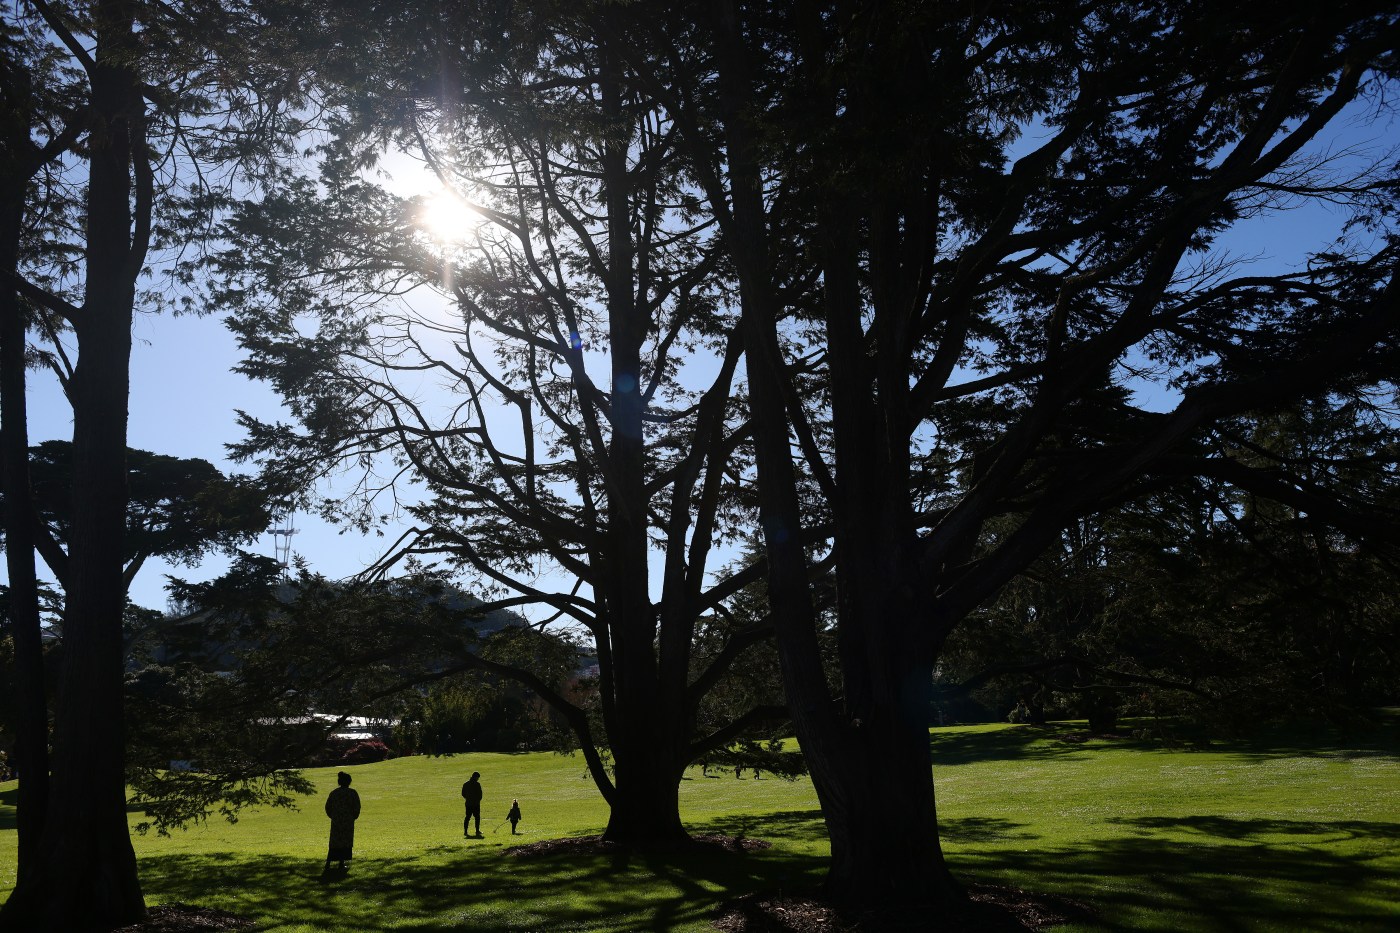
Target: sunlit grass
(1298, 833)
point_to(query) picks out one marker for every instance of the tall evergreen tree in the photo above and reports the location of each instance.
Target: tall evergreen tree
(1014, 212)
(38, 125)
(585, 297)
(136, 85)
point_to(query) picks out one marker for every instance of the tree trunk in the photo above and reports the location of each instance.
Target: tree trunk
(883, 820)
(647, 734)
(648, 740)
(88, 863)
(882, 823)
(32, 725)
(1102, 710)
(645, 811)
(870, 763)
(1037, 708)
(85, 877)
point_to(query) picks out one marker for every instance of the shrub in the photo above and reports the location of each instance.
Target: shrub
(362, 753)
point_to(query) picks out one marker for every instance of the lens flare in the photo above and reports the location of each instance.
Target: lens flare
(447, 218)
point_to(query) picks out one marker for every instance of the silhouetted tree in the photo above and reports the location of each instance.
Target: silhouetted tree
(1015, 213)
(1211, 601)
(580, 300)
(177, 508)
(128, 92)
(37, 127)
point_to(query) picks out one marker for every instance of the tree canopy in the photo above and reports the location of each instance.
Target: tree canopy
(585, 409)
(121, 121)
(1026, 315)
(973, 261)
(942, 303)
(177, 508)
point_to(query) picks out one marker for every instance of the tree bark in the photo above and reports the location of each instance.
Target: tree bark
(882, 823)
(87, 862)
(645, 810)
(85, 876)
(880, 817)
(647, 734)
(32, 726)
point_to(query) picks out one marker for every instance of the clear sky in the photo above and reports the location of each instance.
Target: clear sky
(183, 400)
(184, 393)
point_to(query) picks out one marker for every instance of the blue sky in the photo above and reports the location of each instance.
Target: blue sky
(184, 392)
(183, 398)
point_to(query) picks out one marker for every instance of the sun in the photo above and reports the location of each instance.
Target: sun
(447, 218)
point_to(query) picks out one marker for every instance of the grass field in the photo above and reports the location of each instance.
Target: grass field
(1297, 832)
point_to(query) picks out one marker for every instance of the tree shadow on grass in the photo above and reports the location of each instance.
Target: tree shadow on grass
(452, 889)
(1055, 741)
(1255, 830)
(974, 829)
(808, 826)
(1163, 883)
(802, 825)
(960, 748)
(1065, 741)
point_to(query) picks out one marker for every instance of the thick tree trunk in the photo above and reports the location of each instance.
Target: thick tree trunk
(645, 811)
(647, 734)
(88, 863)
(648, 739)
(882, 823)
(85, 877)
(32, 725)
(870, 762)
(646, 816)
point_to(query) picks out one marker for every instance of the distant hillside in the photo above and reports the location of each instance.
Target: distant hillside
(189, 637)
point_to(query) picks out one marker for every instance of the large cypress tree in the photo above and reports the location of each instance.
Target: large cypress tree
(134, 82)
(575, 301)
(40, 123)
(1015, 214)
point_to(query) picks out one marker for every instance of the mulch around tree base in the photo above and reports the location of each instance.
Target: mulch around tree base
(993, 909)
(596, 845)
(186, 918)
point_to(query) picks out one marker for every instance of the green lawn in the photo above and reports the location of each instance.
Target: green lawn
(1298, 833)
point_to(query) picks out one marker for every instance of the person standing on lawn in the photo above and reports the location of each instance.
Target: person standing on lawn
(471, 793)
(513, 815)
(343, 807)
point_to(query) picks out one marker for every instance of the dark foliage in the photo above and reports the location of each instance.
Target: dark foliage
(232, 688)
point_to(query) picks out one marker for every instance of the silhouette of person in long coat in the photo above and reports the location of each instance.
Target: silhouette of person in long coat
(343, 807)
(471, 793)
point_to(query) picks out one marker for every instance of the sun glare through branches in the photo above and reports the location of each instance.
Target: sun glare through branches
(448, 218)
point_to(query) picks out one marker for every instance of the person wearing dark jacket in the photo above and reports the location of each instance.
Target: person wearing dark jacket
(343, 807)
(471, 793)
(513, 815)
